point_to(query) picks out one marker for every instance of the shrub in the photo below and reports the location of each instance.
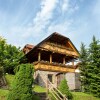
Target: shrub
(63, 87)
(22, 85)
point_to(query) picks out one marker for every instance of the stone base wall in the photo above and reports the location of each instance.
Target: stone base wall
(77, 81)
(73, 81)
(39, 74)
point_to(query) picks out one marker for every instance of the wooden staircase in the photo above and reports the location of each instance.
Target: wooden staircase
(52, 89)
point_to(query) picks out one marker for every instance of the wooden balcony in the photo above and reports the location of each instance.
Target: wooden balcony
(55, 67)
(59, 49)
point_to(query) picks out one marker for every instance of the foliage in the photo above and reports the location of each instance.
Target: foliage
(9, 79)
(94, 67)
(2, 52)
(51, 96)
(83, 67)
(22, 85)
(91, 65)
(9, 56)
(83, 96)
(63, 87)
(3, 94)
(1, 72)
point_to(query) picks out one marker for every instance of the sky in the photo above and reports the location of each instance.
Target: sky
(30, 21)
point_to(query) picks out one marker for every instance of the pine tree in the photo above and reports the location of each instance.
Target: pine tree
(22, 85)
(94, 67)
(83, 68)
(63, 87)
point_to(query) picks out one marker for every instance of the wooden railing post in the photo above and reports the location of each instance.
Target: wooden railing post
(50, 58)
(64, 61)
(39, 56)
(47, 88)
(73, 63)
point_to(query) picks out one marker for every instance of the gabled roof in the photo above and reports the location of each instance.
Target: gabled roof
(52, 37)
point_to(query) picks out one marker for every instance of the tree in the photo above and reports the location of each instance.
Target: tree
(12, 58)
(2, 51)
(1, 72)
(63, 87)
(83, 68)
(90, 67)
(94, 67)
(22, 85)
(9, 56)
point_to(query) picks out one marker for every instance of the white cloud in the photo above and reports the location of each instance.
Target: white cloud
(19, 35)
(33, 30)
(65, 5)
(60, 28)
(44, 16)
(41, 20)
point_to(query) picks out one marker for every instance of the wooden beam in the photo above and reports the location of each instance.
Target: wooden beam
(39, 56)
(64, 61)
(59, 50)
(72, 63)
(73, 48)
(50, 58)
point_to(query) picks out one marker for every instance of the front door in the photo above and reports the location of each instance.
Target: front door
(60, 77)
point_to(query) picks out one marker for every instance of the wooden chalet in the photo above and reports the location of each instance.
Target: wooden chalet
(50, 58)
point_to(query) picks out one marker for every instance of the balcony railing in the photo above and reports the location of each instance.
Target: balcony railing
(55, 67)
(53, 64)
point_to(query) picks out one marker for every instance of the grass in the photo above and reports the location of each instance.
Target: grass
(9, 79)
(76, 95)
(38, 88)
(83, 96)
(3, 94)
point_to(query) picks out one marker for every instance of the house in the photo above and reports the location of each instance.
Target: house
(51, 58)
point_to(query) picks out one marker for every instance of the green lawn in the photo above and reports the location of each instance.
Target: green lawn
(83, 96)
(77, 95)
(3, 94)
(38, 88)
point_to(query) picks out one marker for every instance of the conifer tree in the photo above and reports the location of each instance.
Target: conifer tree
(83, 67)
(94, 67)
(22, 85)
(90, 67)
(63, 87)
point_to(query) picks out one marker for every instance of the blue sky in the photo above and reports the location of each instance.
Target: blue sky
(30, 21)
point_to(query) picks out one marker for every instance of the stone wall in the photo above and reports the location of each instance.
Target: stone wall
(77, 81)
(41, 75)
(70, 77)
(73, 81)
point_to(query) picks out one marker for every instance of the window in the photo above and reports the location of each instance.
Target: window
(50, 77)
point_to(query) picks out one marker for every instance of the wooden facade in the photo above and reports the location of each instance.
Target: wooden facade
(53, 54)
(50, 59)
